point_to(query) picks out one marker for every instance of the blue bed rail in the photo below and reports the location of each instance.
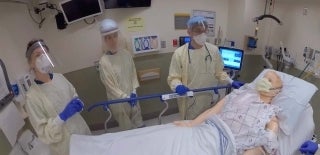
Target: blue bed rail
(105, 104)
(162, 97)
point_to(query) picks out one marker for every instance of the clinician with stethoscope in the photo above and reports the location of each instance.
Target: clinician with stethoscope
(197, 64)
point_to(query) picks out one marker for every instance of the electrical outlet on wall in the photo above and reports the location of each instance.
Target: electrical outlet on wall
(163, 44)
(305, 11)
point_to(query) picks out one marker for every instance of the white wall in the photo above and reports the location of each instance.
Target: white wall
(16, 29)
(79, 45)
(240, 24)
(241, 14)
(297, 31)
(303, 30)
(236, 22)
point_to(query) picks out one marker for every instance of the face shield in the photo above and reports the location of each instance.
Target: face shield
(38, 52)
(113, 42)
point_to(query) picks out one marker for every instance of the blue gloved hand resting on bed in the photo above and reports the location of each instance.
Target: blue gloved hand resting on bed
(133, 100)
(74, 106)
(181, 89)
(237, 84)
(309, 147)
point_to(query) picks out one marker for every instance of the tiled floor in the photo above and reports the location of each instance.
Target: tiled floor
(151, 122)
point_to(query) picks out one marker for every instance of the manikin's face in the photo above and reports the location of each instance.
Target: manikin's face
(276, 83)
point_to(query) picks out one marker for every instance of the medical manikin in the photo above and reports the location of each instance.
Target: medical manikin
(52, 103)
(118, 74)
(246, 112)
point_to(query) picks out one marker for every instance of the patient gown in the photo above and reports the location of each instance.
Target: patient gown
(247, 116)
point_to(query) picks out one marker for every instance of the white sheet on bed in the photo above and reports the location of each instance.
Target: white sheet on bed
(158, 140)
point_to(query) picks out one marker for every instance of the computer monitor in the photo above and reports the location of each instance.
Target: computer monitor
(76, 10)
(232, 58)
(184, 39)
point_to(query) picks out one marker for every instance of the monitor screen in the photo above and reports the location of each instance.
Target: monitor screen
(232, 58)
(111, 4)
(184, 39)
(75, 10)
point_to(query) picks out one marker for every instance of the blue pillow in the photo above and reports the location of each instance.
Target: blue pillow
(293, 99)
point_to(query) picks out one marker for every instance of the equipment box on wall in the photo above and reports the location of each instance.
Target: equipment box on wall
(146, 43)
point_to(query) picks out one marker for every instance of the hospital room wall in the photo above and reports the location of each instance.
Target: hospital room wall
(300, 30)
(240, 24)
(84, 41)
(297, 31)
(16, 29)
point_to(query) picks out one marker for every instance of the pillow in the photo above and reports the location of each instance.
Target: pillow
(293, 99)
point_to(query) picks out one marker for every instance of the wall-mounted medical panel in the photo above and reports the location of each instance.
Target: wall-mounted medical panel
(145, 43)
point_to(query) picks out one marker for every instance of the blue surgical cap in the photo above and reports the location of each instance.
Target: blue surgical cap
(196, 21)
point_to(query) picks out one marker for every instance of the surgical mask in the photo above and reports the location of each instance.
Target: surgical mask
(200, 39)
(43, 64)
(263, 85)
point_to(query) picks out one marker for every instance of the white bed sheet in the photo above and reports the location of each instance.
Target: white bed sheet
(158, 140)
(289, 145)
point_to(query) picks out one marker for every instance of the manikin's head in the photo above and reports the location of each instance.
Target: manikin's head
(270, 85)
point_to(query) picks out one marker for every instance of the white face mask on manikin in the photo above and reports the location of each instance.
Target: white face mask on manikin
(43, 64)
(200, 39)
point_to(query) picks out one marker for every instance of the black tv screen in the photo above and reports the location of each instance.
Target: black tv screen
(75, 10)
(111, 4)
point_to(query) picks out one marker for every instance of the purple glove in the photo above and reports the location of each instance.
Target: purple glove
(74, 106)
(181, 89)
(309, 147)
(237, 84)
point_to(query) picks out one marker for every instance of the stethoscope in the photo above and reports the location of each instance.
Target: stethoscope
(208, 56)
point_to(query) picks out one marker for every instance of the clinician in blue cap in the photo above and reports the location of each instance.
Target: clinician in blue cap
(197, 64)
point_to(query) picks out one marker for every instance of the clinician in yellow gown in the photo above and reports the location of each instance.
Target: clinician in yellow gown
(51, 102)
(197, 64)
(118, 74)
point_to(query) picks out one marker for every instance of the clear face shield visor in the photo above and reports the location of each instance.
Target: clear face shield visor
(113, 42)
(44, 62)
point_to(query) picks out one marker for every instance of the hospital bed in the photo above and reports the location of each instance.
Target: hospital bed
(296, 126)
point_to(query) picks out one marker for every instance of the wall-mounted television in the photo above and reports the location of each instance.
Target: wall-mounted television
(112, 4)
(76, 10)
(232, 57)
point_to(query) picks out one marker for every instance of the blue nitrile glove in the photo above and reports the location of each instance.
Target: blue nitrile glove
(181, 89)
(309, 147)
(237, 84)
(74, 106)
(133, 100)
